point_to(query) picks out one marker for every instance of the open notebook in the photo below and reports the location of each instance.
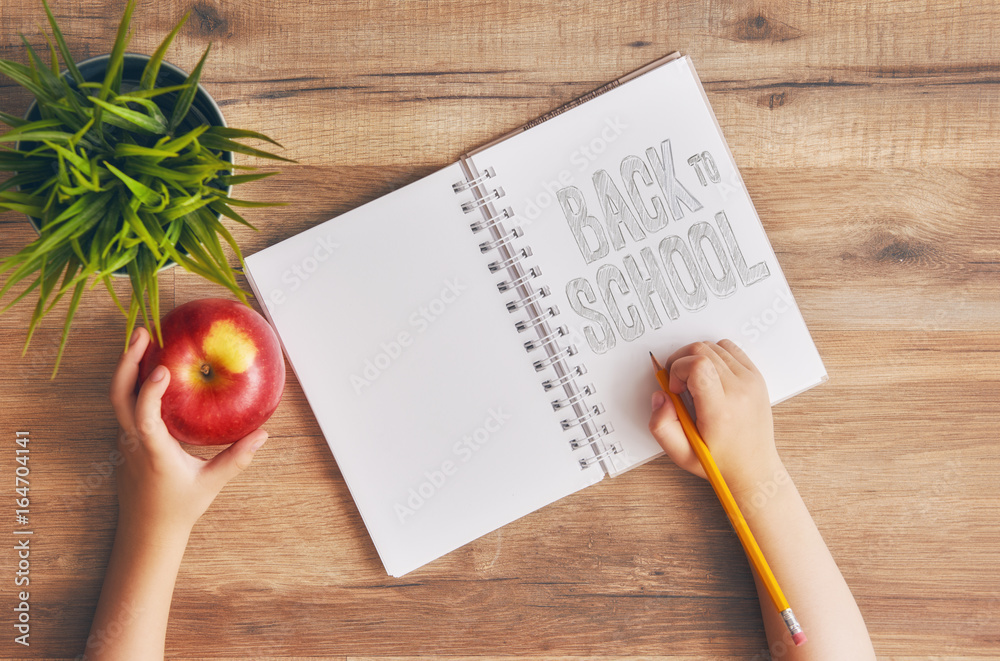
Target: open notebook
(476, 345)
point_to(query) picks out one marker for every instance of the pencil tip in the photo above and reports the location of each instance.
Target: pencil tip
(656, 363)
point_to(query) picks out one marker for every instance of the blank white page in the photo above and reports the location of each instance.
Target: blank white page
(417, 377)
(625, 129)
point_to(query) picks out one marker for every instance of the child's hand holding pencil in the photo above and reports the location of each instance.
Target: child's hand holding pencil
(732, 410)
(732, 444)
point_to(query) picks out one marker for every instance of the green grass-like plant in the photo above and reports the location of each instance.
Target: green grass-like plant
(116, 181)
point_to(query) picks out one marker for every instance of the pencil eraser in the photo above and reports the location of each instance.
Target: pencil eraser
(799, 638)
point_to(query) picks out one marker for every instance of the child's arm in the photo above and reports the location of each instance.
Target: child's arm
(734, 417)
(162, 491)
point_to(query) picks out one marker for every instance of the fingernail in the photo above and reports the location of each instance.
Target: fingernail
(158, 374)
(659, 399)
(135, 336)
(259, 442)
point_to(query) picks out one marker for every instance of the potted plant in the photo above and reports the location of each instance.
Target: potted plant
(124, 167)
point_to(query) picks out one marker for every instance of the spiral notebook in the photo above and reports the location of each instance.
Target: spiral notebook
(476, 344)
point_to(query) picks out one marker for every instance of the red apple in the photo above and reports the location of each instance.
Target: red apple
(226, 371)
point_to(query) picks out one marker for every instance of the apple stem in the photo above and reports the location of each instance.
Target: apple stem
(206, 369)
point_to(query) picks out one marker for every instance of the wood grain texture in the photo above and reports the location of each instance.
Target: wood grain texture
(867, 134)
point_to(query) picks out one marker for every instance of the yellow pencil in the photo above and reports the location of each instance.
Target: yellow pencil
(732, 509)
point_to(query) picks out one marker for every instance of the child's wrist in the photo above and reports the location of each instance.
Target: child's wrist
(755, 476)
(156, 531)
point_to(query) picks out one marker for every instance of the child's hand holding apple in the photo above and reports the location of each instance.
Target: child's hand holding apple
(163, 490)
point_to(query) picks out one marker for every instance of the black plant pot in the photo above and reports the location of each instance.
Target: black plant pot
(204, 109)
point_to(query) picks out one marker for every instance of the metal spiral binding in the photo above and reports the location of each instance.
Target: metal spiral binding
(592, 413)
(492, 220)
(585, 391)
(460, 186)
(471, 206)
(549, 384)
(538, 320)
(511, 258)
(604, 430)
(565, 352)
(531, 345)
(487, 246)
(507, 285)
(587, 462)
(519, 303)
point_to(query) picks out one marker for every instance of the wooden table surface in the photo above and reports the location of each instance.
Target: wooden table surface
(868, 134)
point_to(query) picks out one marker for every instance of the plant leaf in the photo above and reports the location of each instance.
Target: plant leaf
(153, 295)
(63, 48)
(26, 262)
(190, 205)
(34, 212)
(152, 69)
(251, 204)
(135, 270)
(86, 181)
(22, 179)
(141, 120)
(187, 96)
(47, 281)
(121, 260)
(210, 241)
(146, 195)
(225, 144)
(49, 271)
(78, 136)
(140, 229)
(123, 150)
(152, 109)
(53, 57)
(27, 290)
(220, 207)
(163, 173)
(42, 74)
(106, 279)
(36, 136)
(81, 210)
(35, 125)
(226, 132)
(117, 59)
(151, 93)
(70, 313)
(73, 276)
(133, 313)
(11, 120)
(79, 161)
(22, 75)
(213, 224)
(198, 253)
(237, 179)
